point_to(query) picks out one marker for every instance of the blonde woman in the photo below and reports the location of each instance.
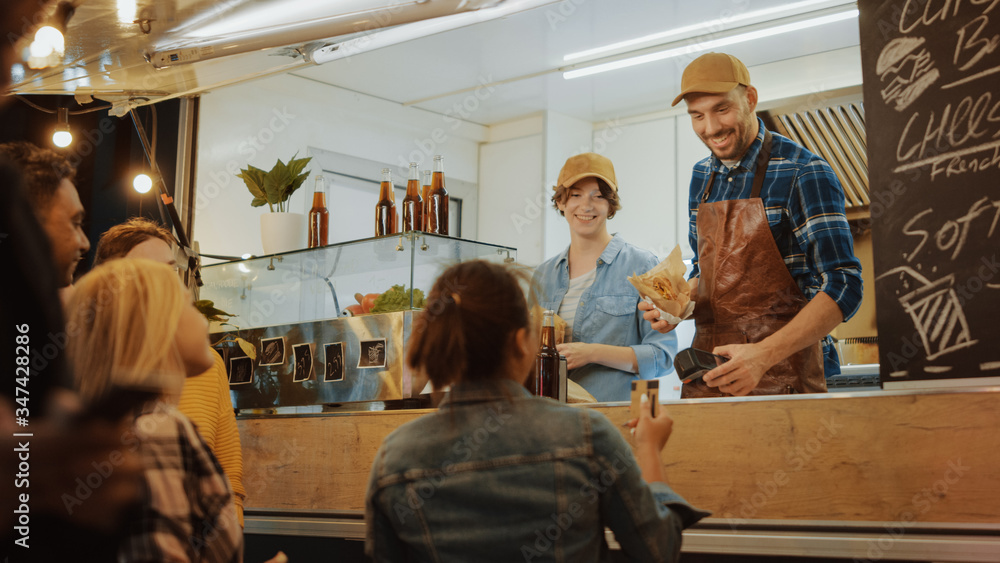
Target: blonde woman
(205, 397)
(133, 325)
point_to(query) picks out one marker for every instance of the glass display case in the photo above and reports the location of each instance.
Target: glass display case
(299, 337)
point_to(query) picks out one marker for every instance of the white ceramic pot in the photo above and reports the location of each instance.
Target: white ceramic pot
(282, 232)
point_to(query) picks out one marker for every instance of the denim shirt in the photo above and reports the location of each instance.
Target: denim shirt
(608, 314)
(497, 474)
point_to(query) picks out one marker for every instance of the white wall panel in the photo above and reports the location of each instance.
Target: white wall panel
(564, 137)
(690, 150)
(643, 156)
(275, 118)
(510, 174)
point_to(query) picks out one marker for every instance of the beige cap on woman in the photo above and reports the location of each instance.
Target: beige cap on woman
(588, 164)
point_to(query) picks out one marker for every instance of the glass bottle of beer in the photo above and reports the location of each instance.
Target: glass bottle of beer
(424, 192)
(393, 215)
(547, 360)
(413, 204)
(437, 200)
(385, 209)
(319, 217)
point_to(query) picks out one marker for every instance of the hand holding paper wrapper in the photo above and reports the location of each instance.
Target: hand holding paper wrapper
(665, 288)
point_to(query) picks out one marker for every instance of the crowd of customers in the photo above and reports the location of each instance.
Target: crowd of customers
(136, 388)
(133, 339)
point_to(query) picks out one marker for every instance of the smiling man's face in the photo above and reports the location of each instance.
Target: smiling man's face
(63, 222)
(726, 123)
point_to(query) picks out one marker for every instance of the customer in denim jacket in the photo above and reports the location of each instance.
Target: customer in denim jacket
(608, 344)
(498, 474)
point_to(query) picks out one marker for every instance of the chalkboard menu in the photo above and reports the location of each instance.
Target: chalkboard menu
(932, 106)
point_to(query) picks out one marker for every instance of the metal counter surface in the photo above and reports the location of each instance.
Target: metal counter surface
(859, 540)
(377, 407)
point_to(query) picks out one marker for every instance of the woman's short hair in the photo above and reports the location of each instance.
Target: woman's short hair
(468, 323)
(119, 240)
(614, 202)
(122, 322)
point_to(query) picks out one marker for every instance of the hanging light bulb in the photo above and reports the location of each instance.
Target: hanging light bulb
(126, 11)
(62, 137)
(142, 183)
(48, 45)
(48, 40)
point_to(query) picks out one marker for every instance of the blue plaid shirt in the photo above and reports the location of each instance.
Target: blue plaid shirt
(804, 202)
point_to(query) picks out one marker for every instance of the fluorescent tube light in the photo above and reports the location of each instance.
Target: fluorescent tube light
(399, 34)
(191, 48)
(711, 44)
(716, 25)
(266, 15)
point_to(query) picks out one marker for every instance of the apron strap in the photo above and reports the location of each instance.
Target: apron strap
(763, 157)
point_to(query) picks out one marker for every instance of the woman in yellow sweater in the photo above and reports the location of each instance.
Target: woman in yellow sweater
(205, 400)
(205, 397)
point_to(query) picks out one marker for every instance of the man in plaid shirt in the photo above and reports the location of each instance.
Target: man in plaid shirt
(774, 268)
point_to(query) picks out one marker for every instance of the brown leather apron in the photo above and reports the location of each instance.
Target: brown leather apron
(746, 293)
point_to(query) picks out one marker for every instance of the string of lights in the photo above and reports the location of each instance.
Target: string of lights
(62, 136)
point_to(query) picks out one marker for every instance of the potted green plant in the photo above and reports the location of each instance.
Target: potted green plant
(280, 231)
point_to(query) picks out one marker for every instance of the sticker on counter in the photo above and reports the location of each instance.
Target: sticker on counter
(272, 351)
(372, 354)
(240, 370)
(334, 355)
(303, 362)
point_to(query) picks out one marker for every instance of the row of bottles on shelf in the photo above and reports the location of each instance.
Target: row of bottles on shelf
(425, 208)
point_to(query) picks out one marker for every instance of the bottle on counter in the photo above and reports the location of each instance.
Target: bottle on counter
(437, 200)
(413, 204)
(545, 382)
(385, 209)
(319, 217)
(424, 192)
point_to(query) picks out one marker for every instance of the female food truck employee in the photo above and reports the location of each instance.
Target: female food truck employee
(774, 258)
(608, 343)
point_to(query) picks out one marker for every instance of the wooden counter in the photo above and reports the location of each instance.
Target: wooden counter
(923, 459)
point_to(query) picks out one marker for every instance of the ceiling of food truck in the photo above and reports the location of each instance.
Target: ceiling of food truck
(486, 73)
(520, 56)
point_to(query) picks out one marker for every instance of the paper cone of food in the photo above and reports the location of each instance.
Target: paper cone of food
(575, 393)
(665, 285)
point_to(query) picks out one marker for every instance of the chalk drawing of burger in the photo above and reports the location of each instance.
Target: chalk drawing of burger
(906, 70)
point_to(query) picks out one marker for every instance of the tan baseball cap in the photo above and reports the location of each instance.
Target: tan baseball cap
(712, 73)
(587, 165)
